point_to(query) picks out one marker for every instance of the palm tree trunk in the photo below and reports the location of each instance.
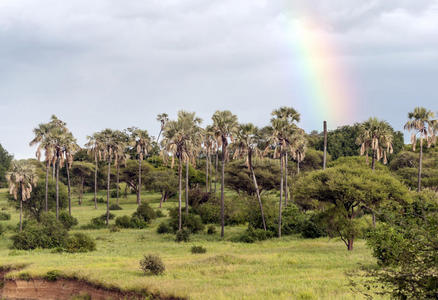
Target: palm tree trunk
(118, 182)
(21, 214)
(95, 182)
(420, 164)
(222, 192)
(179, 193)
(211, 173)
(162, 198)
(373, 163)
(47, 187)
(69, 189)
(257, 191)
(54, 171)
(206, 173)
(108, 190)
(215, 171)
(324, 159)
(139, 182)
(298, 167)
(286, 191)
(187, 187)
(57, 189)
(281, 195)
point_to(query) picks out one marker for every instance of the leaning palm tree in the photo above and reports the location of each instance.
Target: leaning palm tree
(163, 119)
(111, 146)
(21, 180)
(94, 146)
(245, 145)
(224, 127)
(420, 124)
(141, 142)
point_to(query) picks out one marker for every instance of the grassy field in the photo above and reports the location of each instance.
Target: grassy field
(290, 268)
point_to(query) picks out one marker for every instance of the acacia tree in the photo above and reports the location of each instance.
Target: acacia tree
(21, 179)
(141, 142)
(245, 145)
(421, 124)
(82, 170)
(224, 127)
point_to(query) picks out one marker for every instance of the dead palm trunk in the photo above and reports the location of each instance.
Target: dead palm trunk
(108, 190)
(57, 189)
(257, 190)
(47, 187)
(139, 182)
(286, 191)
(224, 149)
(69, 188)
(281, 195)
(95, 181)
(420, 164)
(179, 193)
(187, 187)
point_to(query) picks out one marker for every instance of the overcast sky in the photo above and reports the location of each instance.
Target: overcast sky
(115, 64)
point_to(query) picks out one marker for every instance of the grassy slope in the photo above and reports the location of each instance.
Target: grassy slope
(289, 268)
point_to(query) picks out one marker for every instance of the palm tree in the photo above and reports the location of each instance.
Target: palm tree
(21, 180)
(111, 147)
(298, 147)
(163, 119)
(142, 144)
(224, 127)
(121, 157)
(95, 148)
(421, 124)
(209, 145)
(376, 136)
(44, 143)
(245, 145)
(69, 148)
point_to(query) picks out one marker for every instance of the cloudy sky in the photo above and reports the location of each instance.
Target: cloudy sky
(110, 63)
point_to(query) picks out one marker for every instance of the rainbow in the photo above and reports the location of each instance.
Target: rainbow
(325, 83)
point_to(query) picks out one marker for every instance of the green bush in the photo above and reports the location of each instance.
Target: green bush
(211, 229)
(252, 235)
(137, 222)
(152, 264)
(313, 228)
(114, 228)
(145, 213)
(130, 222)
(49, 233)
(209, 212)
(67, 220)
(95, 223)
(53, 275)
(4, 216)
(159, 213)
(163, 228)
(198, 250)
(182, 236)
(80, 242)
(2, 229)
(191, 222)
(115, 207)
(113, 194)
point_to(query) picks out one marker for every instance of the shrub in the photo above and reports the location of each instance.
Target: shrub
(80, 242)
(67, 220)
(198, 196)
(2, 229)
(145, 212)
(4, 216)
(163, 228)
(99, 200)
(198, 249)
(252, 235)
(103, 217)
(113, 193)
(114, 228)
(211, 229)
(313, 228)
(152, 264)
(209, 212)
(137, 222)
(191, 222)
(182, 236)
(159, 213)
(49, 233)
(95, 223)
(53, 275)
(115, 207)
(123, 222)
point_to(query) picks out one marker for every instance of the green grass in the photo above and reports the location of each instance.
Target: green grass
(290, 268)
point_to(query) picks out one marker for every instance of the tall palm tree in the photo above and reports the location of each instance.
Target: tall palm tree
(299, 147)
(111, 147)
(69, 148)
(421, 124)
(209, 147)
(122, 157)
(376, 136)
(163, 119)
(42, 138)
(21, 180)
(141, 142)
(95, 148)
(245, 145)
(224, 127)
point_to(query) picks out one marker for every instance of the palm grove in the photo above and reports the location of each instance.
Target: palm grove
(274, 179)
